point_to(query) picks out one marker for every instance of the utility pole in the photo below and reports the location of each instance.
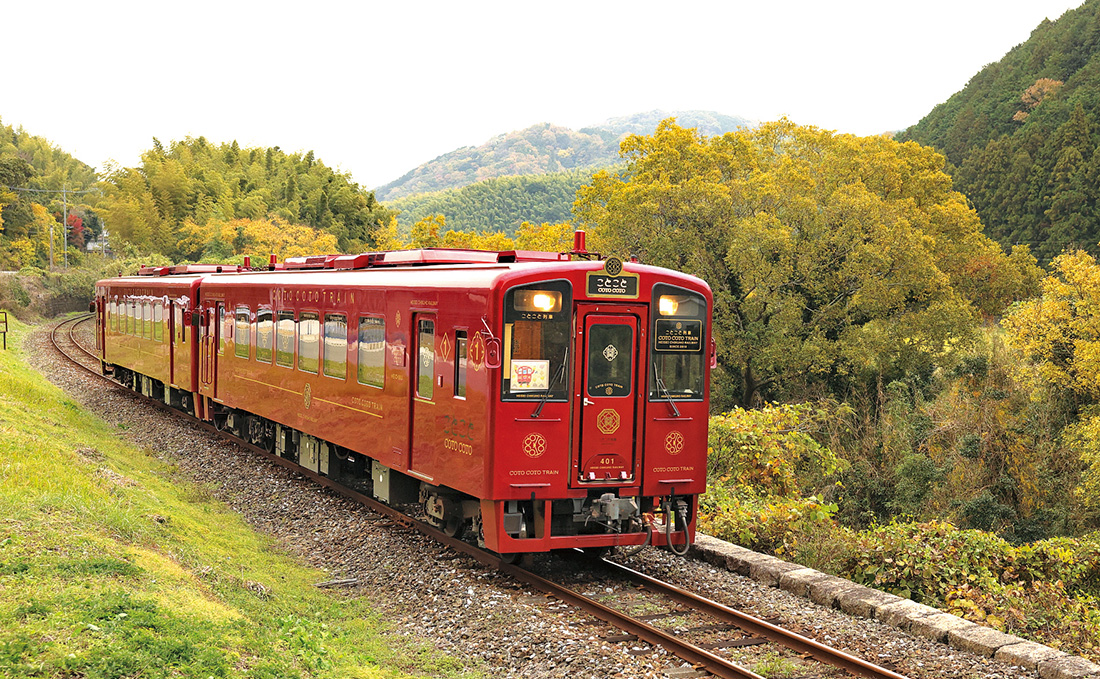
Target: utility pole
(64, 191)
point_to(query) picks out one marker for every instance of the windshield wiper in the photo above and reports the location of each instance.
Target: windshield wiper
(661, 388)
(553, 383)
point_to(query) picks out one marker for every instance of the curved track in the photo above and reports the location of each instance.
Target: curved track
(753, 630)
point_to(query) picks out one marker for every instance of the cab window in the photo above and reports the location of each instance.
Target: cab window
(537, 323)
(678, 366)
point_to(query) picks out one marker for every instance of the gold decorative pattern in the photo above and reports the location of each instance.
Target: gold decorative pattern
(608, 421)
(534, 445)
(477, 352)
(307, 395)
(445, 348)
(674, 442)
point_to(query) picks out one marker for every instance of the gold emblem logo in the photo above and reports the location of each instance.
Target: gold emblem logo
(445, 348)
(307, 395)
(477, 351)
(674, 442)
(397, 319)
(608, 421)
(534, 445)
(613, 266)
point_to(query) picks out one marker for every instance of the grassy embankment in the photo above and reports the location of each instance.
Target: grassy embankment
(112, 565)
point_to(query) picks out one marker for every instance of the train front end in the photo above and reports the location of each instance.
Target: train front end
(601, 424)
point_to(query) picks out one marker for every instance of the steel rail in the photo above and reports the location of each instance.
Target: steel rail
(56, 345)
(754, 625)
(703, 658)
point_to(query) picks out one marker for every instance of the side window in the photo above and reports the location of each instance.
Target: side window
(158, 320)
(284, 339)
(128, 322)
(242, 332)
(425, 361)
(336, 345)
(372, 351)
(309, 341)
(460, 363)
(265, 335)
(147, 320)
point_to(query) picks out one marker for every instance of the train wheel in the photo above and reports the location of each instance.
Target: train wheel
(513, 558)
(454, 526)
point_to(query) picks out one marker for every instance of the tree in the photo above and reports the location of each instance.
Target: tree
(832, 257)
(1058, 331)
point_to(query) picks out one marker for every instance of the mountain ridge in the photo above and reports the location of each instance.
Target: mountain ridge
(543, 148)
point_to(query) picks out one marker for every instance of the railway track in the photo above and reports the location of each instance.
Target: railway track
(714, 626)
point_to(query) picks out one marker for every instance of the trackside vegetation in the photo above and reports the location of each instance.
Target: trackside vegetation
(769, 475)
(114, 565)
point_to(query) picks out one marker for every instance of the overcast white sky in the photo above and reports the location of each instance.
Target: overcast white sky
(376, 88)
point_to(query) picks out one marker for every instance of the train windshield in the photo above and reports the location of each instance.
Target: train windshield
(677, 369)
(537, 323)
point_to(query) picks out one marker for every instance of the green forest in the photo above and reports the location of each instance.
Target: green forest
(500, 204)
(1022, 138)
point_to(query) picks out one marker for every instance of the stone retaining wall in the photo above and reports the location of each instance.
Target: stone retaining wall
(917, 619)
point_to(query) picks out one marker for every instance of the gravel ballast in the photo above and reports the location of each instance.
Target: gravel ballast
(483, 617)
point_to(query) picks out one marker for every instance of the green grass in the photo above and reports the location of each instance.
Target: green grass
(112, 566)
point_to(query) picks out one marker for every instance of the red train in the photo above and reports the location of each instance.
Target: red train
(544, 400)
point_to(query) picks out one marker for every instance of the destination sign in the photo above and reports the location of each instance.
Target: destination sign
(678, 336)
(601, 284)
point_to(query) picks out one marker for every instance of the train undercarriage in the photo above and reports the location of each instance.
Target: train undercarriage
(638, 522)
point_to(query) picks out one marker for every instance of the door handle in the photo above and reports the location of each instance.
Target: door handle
(588, 403)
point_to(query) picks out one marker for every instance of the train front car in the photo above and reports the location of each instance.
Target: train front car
(600, 433)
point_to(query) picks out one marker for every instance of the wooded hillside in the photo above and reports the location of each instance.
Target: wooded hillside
(543, 149)
(1023, 135)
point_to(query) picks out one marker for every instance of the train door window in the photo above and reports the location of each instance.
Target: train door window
(460, 363)
(284, 339)
(177, 323)
(265, 331)
(371, 365)
(610, 360)
(223, 329)
(336, 346)
(147, 320)
(425, 358)
(127, 322)
(242, 332)
(309, 341)
(158, 320)
(112, 315)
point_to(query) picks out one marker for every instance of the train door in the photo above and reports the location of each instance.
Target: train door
(209, 349)
(608, 386)
(422, 426)
(174, 317)
(100, 323)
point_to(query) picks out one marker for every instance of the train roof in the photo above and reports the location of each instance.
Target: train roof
(428, 267)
